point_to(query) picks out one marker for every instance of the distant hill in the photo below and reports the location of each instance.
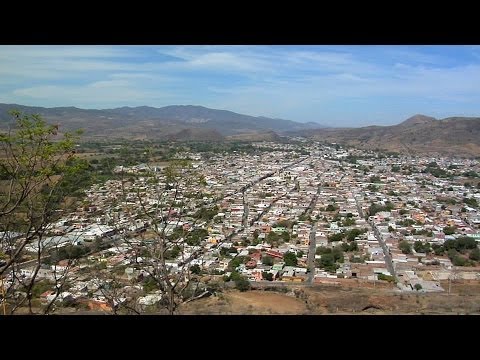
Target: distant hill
(159, 123)
(261, 136)
(418, 134)
(418, 120)
(196, 135)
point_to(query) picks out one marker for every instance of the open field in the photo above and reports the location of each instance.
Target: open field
(251, 302)
(331, 299)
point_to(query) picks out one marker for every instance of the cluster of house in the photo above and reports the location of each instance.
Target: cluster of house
(280, 202)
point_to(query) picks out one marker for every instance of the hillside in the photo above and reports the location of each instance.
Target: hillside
(158, 123)
(196, 135)
(418, 134)
(260, 136)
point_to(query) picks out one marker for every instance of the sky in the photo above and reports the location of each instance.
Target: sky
(333, 85)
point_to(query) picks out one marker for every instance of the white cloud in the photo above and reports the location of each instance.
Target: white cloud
(109, 84)
(102, 94)
(267, 80)
(43, 52)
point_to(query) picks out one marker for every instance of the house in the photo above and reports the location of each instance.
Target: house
(257, 256)
(275, 254)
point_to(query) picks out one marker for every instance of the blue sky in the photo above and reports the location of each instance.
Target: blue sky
(333, 85)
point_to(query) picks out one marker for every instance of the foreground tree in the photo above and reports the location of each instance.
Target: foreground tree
(164, 224)
(35, 163)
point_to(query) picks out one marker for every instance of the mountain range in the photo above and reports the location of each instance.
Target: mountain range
(418, 134)
(176, 122)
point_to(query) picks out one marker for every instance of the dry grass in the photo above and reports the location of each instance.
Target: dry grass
(332, 299)
(251, 302)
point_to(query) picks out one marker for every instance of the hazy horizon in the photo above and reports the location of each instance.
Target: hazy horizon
(332, 85)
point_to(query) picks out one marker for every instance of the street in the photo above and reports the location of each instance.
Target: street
(386, 252)
(311, 255)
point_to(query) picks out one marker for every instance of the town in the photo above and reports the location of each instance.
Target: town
(301, 214)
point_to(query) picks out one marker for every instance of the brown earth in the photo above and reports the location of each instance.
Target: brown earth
(417, 135)
(345, 299)
(234, 302)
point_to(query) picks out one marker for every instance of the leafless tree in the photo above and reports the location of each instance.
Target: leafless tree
(164, 219)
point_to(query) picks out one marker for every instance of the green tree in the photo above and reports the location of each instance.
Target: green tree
(242, 283)
(352, 234)
(35, 161)
(286, 236)
(388, 278)
(267, 276)
(472, 202)
(167, 188)
(302, 218)
(290, 259)
(234, 263)
(353, 246)
(474, 254)
(405, 247)
(327, 262)
(418, 287)
(418, 246)
(330, 207)
(149, 285)
(449, 245)
(336, 237)
(449, 230)
(195, 237)
(337, 253)
(459, 261)
(465, 242)
(375, 208)
(438, 249)
(195, 269)
(267, 260)
(322, 250)
(272, 238)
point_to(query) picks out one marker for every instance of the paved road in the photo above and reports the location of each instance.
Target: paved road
(313, 242)
(311, 255)
(359, 208)
(312, 204)
(246, 210)
(197, 253)
(386, 252)
(270, 174)
(267, 209)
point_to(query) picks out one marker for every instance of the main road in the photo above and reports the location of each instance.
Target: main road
(386, 251)
(311, 255)
(246, 209)
(359, 208)
(313, 242)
